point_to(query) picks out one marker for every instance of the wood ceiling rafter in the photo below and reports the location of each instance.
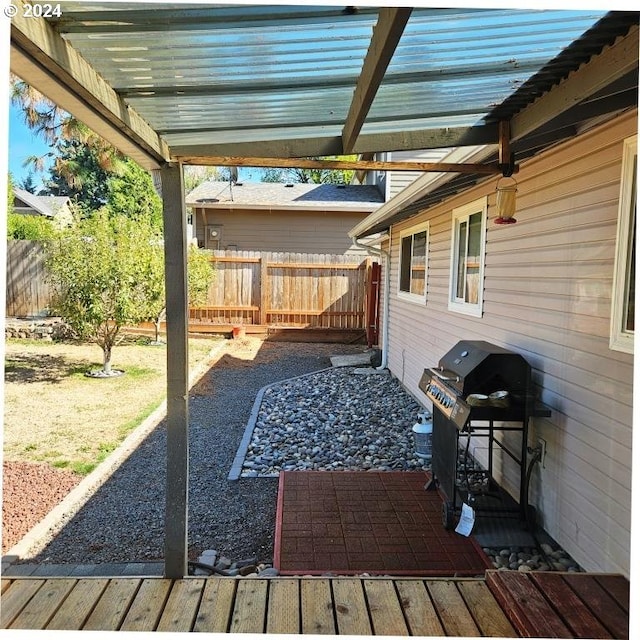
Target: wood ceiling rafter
(305, 146)
(371, 165)
(386, 35)
(615, 62)
(43, 59)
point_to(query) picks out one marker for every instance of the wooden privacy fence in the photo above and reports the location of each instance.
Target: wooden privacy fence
(277, 289)
(251, 289)
(28, 293)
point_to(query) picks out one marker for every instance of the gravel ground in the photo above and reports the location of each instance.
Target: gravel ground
(124, 519)
(29, 491)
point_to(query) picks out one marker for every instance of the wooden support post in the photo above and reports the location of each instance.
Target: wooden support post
(175, 252)
(505, 156)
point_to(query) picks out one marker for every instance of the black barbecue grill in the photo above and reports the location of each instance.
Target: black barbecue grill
(480, 391)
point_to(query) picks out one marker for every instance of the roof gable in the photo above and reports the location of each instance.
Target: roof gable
(44, 205)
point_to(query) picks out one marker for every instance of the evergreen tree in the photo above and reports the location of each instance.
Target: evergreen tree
(28, 183)
(77, 173)
(132, 194)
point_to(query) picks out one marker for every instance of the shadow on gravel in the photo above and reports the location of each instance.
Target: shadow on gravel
(123, 521)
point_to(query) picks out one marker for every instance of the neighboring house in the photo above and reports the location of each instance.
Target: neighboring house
(55, 208)
(556, 287)
(391, 183)
(294, 217)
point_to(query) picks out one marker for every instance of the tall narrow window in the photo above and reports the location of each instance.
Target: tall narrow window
(467, 258)
(624, 280)
(413, 263)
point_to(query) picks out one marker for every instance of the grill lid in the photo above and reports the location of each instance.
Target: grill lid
(477, 366)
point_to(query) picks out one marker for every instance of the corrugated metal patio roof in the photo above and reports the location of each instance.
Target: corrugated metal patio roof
(166, 83)
(220, 79)
(211, 72)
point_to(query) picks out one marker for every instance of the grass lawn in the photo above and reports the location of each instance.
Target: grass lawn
(53, 413)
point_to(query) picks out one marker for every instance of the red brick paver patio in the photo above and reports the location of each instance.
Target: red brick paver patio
(375, 522)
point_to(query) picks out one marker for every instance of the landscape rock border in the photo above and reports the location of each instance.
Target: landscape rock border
(236, 467)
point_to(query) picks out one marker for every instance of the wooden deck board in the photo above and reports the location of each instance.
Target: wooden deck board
(112, 607)
(44, 604)
(454, 615)
(569, 606)
(216, 606)
(525, 606)
(147, 606)
(419, 611)
(283, 615)
(316, 606)
(16, 598)
(249, 612)
(610, 613)
(351, 608)
(77, 608)
(485, 610)
(384, 607)
(503, 604)
(182, 606)
(617, 587)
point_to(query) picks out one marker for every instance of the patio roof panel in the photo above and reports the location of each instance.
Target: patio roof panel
(228, 69)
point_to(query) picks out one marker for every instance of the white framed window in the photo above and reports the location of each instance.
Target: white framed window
(624, 280)
(469, 228)
(412, 282)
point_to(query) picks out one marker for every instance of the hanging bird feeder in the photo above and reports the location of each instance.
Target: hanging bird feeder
(506, 201)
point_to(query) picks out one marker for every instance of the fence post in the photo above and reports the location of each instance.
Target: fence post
(264, 285)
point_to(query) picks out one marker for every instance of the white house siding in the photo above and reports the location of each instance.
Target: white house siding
(399, 180)
(548, 284)
(264, 230)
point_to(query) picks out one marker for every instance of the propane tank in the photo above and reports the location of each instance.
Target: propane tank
(422, 435)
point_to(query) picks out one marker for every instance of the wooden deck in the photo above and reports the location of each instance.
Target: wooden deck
(505, 604)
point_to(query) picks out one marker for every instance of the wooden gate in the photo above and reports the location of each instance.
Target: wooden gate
(28, 293)
(373, 304)
(285, 290)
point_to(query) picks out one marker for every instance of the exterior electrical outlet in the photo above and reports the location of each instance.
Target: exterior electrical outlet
(542, 445)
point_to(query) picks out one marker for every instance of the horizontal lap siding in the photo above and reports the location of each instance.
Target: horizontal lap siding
(547, 295)
(307, 231)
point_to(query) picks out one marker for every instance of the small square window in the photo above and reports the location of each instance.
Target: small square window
(413, 263)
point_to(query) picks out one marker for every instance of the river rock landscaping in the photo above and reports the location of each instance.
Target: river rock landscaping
(339, 419)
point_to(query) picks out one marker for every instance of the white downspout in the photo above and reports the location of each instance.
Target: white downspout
(385, 302)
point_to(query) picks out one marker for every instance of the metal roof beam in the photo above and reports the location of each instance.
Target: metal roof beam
(386, 35)
(300, 147)
(613, 63)
(41, 58)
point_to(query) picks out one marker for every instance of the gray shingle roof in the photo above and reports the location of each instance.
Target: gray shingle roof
(45, 205)
(299, 195)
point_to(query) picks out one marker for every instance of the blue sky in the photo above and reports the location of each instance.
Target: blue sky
(22, 144)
